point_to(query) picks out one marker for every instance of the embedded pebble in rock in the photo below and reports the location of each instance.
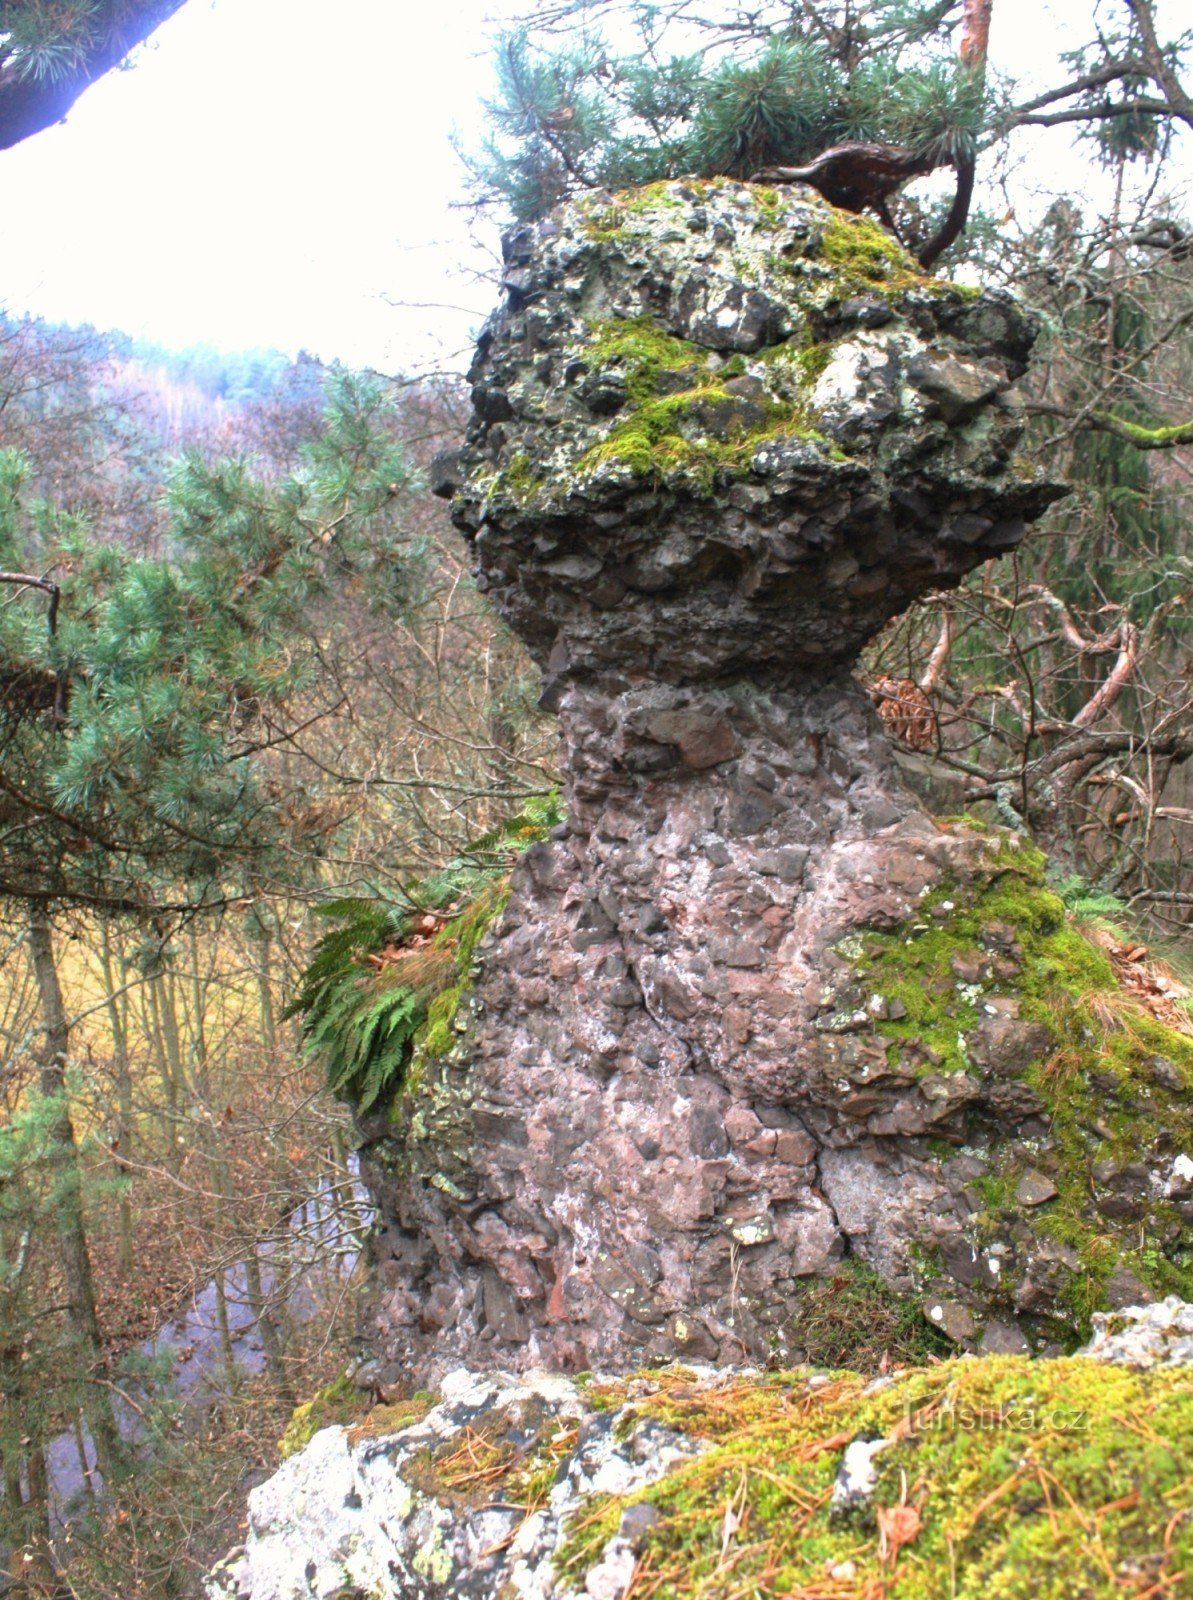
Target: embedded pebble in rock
(1180, 1179)
(1034, 1189)
(720, 435)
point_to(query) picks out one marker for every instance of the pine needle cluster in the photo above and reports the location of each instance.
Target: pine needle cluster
(138, 694)
(580, 115)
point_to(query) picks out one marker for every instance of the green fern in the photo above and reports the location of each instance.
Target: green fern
(368, 926)
(360, 1016)
(1088, 903)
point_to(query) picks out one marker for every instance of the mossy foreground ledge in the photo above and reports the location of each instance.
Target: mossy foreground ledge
(999, 1478)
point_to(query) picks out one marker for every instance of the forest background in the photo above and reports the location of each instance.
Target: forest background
(244, 673)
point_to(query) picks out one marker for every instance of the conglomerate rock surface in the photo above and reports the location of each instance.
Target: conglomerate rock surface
(719, 434)
(752, 1017)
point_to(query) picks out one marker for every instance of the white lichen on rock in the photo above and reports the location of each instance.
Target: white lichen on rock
(1145, 1336)
(542, 1488)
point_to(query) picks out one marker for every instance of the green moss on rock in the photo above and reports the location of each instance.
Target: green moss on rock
(680, 422)
(643, 351)
(862, 251)
(1005, 942)
(917, 965)
(695, 436)
(339, 1401)
(996, 1479)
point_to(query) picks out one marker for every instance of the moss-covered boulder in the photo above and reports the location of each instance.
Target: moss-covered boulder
(1062, 1106)
(722, 428)
(991, 1479)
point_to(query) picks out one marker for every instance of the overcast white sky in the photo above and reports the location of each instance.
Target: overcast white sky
(270, 171)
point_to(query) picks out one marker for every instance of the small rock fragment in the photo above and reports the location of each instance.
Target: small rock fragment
(1035, 1189)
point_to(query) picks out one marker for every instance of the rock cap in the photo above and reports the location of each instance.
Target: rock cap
(721, 429)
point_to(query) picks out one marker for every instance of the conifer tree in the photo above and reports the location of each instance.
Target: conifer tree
(615, 93)
(139, 701)
(137, 693)
(582, 115)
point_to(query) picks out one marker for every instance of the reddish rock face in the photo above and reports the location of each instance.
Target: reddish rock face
(672, 1102)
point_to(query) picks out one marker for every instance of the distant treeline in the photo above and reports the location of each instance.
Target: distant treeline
(100, 415)
(237, 377)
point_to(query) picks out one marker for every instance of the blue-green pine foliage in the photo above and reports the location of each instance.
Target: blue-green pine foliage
(574, 114)
(133, 714)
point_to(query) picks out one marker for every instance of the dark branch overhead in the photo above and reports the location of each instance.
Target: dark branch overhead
(31, 102)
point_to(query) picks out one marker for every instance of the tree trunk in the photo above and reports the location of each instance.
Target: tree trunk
(122, 1134)
(26, 1521)
(38, 1569)
(263, 1316)
(264, 974)
(72, 1237)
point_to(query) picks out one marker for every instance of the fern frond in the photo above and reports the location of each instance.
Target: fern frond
(364, 996)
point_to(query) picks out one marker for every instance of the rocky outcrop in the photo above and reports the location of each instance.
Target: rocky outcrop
(723, 435)
(751, 1018)
(1054, 1478)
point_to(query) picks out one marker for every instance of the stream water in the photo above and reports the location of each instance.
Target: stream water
(304, 1269)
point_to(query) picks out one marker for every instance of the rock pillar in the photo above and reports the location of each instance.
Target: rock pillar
(722, 434)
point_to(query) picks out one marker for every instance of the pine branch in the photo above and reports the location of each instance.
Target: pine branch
(25, 580)
(30, 102)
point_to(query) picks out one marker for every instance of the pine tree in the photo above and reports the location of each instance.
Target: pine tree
(137, 693)
(139, 701)
(582, 116)
(738, 89)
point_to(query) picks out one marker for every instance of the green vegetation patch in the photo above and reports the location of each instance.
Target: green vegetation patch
(917, 965)
(384, 987)
(862, 252)
(1012, 938)
(671, 438)
(681, 424)
(794, 366)
(866, 260)
(339, 1401)
(342, 1402)
(629, 214)
(854, 1318)
(644, 352)
(1000, 1479)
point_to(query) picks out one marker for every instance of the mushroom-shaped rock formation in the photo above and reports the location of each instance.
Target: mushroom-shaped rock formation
(719, 435)
(752, 1019)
